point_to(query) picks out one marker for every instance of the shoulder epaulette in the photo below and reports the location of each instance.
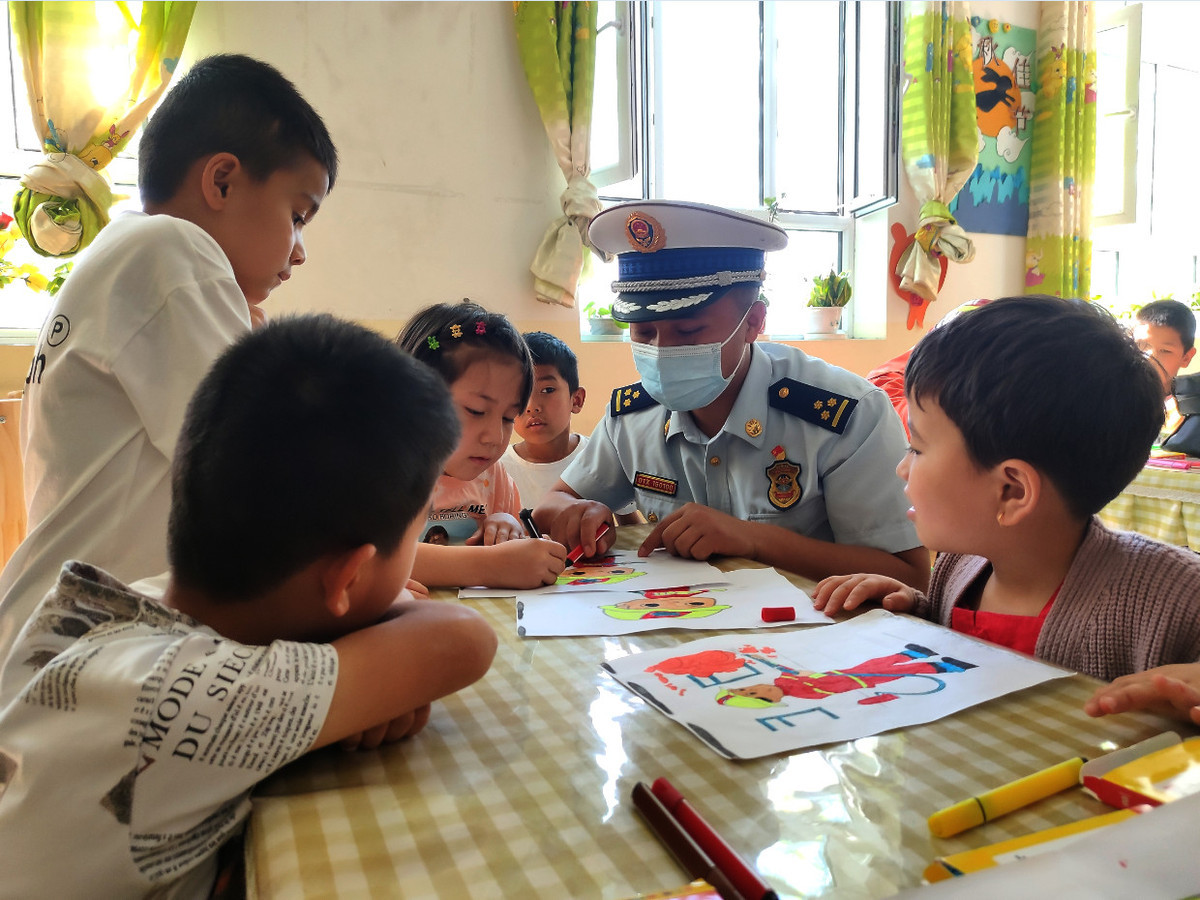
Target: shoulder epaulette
(629, 399)
(812, 404)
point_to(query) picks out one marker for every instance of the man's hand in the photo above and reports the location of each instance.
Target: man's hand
(839, 593)
(578, 522)
(697, 532)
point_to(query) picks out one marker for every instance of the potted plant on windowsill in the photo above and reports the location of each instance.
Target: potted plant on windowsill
(830, 294)
(600, 320)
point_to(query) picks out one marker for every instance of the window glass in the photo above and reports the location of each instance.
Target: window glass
(708, 102)
(807, 145)
(764, 104)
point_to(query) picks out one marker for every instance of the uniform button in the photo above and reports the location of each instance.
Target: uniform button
(652, 518)
(714, 460)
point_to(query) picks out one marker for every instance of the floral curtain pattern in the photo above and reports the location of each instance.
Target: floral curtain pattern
(93, 73)
(1058, 245)
(557, 42)
(938, 144)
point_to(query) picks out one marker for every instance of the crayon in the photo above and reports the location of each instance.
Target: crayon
(1006, 798)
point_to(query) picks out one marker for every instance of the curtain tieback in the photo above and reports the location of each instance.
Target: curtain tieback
(580, 203)
(63, 204)
(938, 233)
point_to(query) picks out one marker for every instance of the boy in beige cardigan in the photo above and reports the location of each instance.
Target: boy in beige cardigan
(1026, 418)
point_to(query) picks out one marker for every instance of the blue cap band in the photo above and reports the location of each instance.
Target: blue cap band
(688, 262)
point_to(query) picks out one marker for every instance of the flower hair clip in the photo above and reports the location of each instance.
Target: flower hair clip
(455, 331)
(432, 342)
(480, 328)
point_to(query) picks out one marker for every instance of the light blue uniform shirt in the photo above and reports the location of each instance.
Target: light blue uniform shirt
(846, 489)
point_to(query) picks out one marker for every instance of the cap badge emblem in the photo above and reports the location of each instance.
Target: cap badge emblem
(645, 234)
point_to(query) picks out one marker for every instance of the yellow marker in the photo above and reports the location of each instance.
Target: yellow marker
(1004, 799)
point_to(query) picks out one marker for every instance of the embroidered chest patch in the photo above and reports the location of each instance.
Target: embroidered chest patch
(656, 483)
(784, 489)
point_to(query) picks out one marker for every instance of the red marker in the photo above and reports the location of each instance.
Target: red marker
(576, 555)
(747, 882)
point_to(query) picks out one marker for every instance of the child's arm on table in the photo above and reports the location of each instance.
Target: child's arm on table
(523, 564)
(1172, 690)
(389, 673)
(839, 593)
(572, 521)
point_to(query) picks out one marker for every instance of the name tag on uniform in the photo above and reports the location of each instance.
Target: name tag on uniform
(656, 483)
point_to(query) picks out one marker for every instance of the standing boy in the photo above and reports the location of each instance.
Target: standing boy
(231, 168)
(547, 444)
(730, 446)
(137, 729)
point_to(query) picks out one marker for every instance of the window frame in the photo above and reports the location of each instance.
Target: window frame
(860, 192)
(1128, 18)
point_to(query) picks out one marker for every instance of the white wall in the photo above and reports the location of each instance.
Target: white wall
(447, 181)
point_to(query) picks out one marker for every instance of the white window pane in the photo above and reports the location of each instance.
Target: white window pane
(807, 140)
(1174, 155)
(870, 183)
(789, 277)
(611, 144)
(1104, 276)
(1118, 48)
(708, 114)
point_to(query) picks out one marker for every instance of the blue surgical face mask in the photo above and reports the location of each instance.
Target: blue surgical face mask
(684, 378)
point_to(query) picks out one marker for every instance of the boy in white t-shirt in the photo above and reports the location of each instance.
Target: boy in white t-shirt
(132, 731)
(231, 167)
(547, 443)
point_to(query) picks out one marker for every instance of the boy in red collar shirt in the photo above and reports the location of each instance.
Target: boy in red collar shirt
(1026, 418)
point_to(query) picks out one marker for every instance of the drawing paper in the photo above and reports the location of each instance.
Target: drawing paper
(617, 570)
(736, 601)
(760, 694)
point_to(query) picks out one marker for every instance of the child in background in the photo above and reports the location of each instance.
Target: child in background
(548, 445)
(278, 632)
(484, 360)
(1165, 331)
(1026, 418)
(231, 167)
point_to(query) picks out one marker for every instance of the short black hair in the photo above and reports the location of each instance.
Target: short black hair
(548, 350)
(309, 436)
(1051, 381)
(450, 336)
(230, 103)
(1171, 314)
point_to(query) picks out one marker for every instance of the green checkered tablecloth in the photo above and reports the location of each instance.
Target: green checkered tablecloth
(1160, 503)
(520, 787)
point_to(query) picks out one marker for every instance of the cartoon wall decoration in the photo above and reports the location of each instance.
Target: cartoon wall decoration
(737, 600)
(618, 570)
(995, 199)
(774, 693)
